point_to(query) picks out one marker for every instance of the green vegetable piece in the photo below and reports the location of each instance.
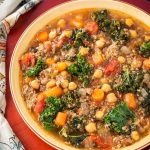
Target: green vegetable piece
(40, 65)
(102, 18)
(118, 117)
(71, 100)
(130, 81)
(53, 106)
(79, 36)
(114, 28)
(74, 69)
(82, 69)
(76, 140)
(145, 49)
(146, 103)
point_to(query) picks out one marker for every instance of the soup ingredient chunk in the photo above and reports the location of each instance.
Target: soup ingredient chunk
(130, 81)
(53, 106)
(145, 49)
(146, 103)
(118, 117)
(98, 95)
(82, 69)
(40, 65)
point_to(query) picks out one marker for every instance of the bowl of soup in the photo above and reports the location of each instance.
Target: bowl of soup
(80, 76)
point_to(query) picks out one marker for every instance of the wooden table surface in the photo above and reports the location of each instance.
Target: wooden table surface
(27, 137)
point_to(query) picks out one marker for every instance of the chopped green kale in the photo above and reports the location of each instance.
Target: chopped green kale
(117, 32)
(102, 18)
(146, 103)
(53, 106)
(130, 81)
(145, 49)
(40, 65)
(76, 140)
(81, 68)
(71, 100)
(118, 117)
(79, 36)
(114, 28)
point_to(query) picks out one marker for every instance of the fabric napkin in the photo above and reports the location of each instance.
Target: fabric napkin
(8, 140)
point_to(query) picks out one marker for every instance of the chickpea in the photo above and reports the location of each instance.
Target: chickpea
(52, 34)
(98, 73)
(129, 22)
(106, 88)
(91, 127)
(137, 63)
(61, 66)
(67, 33)
(133, 33)
(64, 73)
(99, 115)
(121, 59)
(72, 86)
(84, 51)
(35, 84)
(51, 83)
(111, 98)
(100, 43)
(135, 135)
(61, 23)
(64, 83)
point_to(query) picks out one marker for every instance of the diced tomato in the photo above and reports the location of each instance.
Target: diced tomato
(112, 67)
(39, 107)
(92, 27)
(27, 60)
(105, 143)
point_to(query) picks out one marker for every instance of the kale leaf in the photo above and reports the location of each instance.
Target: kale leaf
(117, 32)
(76, 140)
(79, 36)
(53, 106)
(145, 49)
(114, 28)
(146, 103)
(40, 65)
(67, 131)
(71, 100)
(118, 117)
(102, 18)
(130, 81)
(81, 68)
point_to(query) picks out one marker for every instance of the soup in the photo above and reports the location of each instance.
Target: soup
(85, 76)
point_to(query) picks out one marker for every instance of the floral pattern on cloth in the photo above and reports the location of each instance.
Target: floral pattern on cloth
(8, 140)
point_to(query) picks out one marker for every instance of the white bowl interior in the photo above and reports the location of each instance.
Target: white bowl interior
(22, 46)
